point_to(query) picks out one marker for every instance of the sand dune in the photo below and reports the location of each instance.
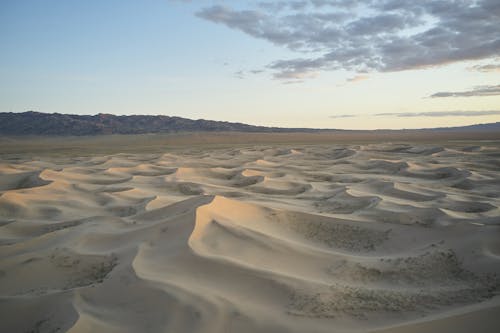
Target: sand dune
(369, 237)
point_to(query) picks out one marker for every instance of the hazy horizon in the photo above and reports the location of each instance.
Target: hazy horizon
(314, 64)
(276, 126)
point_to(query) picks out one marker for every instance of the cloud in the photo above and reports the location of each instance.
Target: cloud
(239, 75)
(486, 68)
(371, 35)
(358, 78)
(477, 91)
(293, 81)
(425, 114)
(345, 116)
(295, 75)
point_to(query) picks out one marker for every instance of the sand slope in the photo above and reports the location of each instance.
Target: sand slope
(302, 238)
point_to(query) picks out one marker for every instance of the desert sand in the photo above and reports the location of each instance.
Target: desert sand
(158, 236)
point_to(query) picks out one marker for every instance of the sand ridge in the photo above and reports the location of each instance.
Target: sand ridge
(265, 238)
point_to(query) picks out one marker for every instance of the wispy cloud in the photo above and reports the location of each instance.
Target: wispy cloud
(239, 75)
(477, 91)
(371, 35)
(486, 68)
(295, 75)
(425, 114)
(358, 78)
(345, 116)
(293, 81)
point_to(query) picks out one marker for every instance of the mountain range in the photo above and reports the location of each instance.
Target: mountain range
(37, 123)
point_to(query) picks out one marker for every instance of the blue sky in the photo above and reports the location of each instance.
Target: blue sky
(317, 63)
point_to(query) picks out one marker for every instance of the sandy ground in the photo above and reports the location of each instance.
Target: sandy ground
(337, 237)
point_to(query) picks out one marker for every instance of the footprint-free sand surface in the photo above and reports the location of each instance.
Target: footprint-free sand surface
(337, 237)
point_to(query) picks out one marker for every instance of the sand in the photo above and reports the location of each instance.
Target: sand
(303, 237)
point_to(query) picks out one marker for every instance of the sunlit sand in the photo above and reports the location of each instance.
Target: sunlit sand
(156, 235)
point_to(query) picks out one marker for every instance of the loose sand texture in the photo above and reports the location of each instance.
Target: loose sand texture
(116, 235)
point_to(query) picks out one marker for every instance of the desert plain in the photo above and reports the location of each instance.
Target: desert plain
(194, 233)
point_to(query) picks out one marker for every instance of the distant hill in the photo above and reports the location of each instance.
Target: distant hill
(37, 123)
(489, 127)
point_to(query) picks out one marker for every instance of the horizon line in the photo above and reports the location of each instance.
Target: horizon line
(252, 125)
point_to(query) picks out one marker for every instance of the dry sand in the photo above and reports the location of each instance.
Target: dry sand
(337, 237)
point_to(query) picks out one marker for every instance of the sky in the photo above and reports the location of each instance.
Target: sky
(312, 63)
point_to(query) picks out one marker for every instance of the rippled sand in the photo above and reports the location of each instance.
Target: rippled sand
(263, 238)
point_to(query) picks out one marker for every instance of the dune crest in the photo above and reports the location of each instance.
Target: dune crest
(297, 238)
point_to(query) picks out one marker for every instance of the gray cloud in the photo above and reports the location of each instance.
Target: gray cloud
(371, 35)
(486, 68)
(477, 91)
(345, 116)
(239, 74)
(294, 81)
(295, 75)
(425, 114)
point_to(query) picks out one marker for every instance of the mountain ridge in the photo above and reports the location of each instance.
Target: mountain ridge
(58, 124)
